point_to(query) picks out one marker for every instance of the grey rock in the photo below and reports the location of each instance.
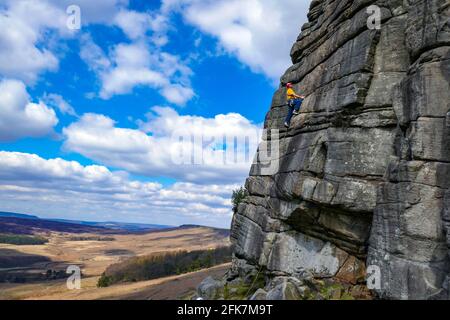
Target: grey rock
(260, 294)
(293, 252)
(364, 171)
(241, 271)
(247, 237)
(286, 288)
(209, 289)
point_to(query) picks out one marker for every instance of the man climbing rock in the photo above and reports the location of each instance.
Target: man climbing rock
(294, 103)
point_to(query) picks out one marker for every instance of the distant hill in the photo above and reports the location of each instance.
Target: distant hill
(14, 225)
(8, 222)
(118, 225)
(17, 215)
(224, 232)
(18, 223)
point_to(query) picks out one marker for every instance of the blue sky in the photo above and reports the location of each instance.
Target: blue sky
(88, 116)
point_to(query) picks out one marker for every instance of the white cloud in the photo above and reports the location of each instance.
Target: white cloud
(177, 94)
(132, 65)
(136, 25)
(156, 150)
(23, 26)
(29, 183)
(28, 25)
(131, 68)
(258, 32)
(26, 50)
(93, 55)
(242, 28)
(58, 102)
(141, 62)
(21, 118)
(94, 12)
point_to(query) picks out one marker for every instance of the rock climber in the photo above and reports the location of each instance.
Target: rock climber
(294, 103)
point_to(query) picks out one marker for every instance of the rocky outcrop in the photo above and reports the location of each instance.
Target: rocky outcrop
(363, 173)
(281, 288)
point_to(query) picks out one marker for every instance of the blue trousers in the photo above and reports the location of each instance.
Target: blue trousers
(294, 104)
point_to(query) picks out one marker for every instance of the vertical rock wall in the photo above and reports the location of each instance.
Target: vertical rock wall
(364, 171)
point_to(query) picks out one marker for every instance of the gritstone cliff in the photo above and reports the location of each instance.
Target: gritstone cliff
(364, 171)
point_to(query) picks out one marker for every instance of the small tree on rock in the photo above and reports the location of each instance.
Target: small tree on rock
(238, 196)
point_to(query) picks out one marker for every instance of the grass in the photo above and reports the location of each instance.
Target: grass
(242, 290)
(90, 238)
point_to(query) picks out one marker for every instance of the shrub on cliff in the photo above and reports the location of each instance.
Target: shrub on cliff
(237, 197)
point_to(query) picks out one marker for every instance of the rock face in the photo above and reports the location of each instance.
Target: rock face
(363, 173)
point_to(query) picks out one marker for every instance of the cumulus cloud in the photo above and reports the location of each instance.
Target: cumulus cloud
(29, 183)
(257, 32)
(131, 68)
(93, 55)
(136, 25)
(240, 26)
(190, 148)
(177, 94)
(58, 102)
(27, 26)
(141, 62)
(93, 12)
(23, 24)
(19, 117)
(130, 65)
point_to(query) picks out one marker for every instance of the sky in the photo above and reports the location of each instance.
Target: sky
(136, 111)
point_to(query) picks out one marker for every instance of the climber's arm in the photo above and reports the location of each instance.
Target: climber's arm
(297, 96)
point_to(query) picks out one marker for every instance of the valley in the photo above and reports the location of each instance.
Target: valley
(39, 271)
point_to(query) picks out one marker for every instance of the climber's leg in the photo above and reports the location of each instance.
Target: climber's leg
(297, 104)
(287, 122)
